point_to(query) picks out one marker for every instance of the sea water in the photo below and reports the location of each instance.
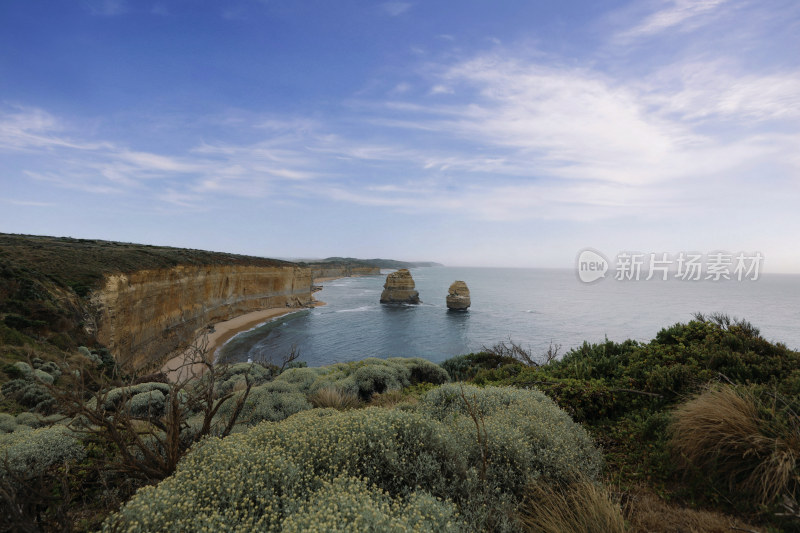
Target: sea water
(531, 307)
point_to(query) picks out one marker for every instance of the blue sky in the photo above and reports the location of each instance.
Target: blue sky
(473, 133)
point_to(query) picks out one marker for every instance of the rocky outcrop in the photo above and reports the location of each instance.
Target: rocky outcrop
(144, 316)
(458, 296)
(399, 288)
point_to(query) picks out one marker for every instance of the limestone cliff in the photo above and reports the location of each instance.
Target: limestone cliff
(399, 288)
(143, 316)
(458, 296)
(343, 271)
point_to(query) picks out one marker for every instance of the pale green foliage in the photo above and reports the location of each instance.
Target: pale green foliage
(272, 401)
(235, 375)
(29, 419)
(30, 453)
(115, 396)
(7, 423)
(527, 434)
(367, 377)
(43, 376)
(323, 469)
(302, 378)
(150, 403)
(349, 505)
(24, 368)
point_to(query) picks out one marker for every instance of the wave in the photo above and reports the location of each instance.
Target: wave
(357, 309)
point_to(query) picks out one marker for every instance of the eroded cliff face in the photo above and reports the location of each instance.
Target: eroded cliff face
(344, 271)
(144, 316)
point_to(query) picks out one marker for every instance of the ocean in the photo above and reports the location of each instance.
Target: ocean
(532, 307)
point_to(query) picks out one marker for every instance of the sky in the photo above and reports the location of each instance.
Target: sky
(473, 133)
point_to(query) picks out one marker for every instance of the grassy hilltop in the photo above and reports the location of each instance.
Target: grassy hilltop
(696, 430)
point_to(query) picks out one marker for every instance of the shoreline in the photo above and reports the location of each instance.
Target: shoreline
(177, 369)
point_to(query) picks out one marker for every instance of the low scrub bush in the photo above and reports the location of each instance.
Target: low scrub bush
(236, 375)
(29, 393)
(28, 454)
(370, 469)
(147, 404)
(526, 434)
(349, 505)
(367, 377)
(464, 367)
(272, 401)
(8, 423)
(116, 396)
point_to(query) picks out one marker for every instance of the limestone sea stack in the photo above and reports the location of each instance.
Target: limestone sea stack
(399, 288)
(458, 296)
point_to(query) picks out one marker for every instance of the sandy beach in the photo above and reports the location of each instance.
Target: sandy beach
(177, 369)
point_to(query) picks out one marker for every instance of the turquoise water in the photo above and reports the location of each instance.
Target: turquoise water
(533, 307)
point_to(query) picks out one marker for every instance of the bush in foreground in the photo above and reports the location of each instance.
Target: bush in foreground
(403, 468)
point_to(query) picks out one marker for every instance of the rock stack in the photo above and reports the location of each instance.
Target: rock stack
(458, 296)
(399, 288)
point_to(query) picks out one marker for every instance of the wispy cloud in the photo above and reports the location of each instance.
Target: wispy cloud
(673, 14)
(106, 8)
(29, 203)
(396, 8)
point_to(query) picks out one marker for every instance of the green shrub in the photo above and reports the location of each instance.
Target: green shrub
(43, 376)
(272, 401)
(147, 404)
(349, 505)
(51, 368)
(24, 368)
(29, 419)
(391, 464)
(302, 378)
(30, 453)
(29, 394)
(526, 433)
(464, 367)
(8, 423)
(235, 374)
(117, 395)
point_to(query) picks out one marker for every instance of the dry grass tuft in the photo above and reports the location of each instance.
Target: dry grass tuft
(583, 507)
(335, 398)
(646, 513)
(731, 434)
(390, 399)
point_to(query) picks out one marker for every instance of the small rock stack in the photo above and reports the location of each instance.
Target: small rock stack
(458, 296)
(399, 288)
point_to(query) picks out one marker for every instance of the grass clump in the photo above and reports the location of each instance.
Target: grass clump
(580, 507)
(731, 434)
(334, 398)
